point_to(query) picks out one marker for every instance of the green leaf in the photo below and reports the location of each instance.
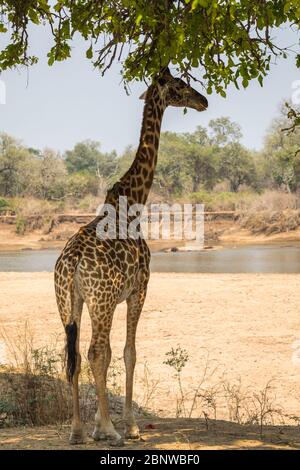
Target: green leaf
(89, 52)
(236, 84)
(138, 19)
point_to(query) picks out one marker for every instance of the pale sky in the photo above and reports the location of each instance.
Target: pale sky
(69, 102)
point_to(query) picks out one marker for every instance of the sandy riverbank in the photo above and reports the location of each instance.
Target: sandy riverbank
(248, 323)
(217, 235)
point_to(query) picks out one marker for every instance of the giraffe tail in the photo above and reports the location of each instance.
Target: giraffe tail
(71, 332)
(71, 328)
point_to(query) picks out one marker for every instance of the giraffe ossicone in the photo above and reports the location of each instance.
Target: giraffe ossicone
(103, 273)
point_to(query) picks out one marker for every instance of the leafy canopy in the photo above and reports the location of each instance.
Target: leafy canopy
(281, 151)
(219, 41)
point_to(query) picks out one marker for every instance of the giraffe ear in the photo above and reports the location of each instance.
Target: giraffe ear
(143, 96)
(167, 72)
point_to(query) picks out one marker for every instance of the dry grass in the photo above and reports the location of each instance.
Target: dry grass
(33, 391)
(269, 213)
(241, 405)
(272, 212)
(275, 201)
(271, 222)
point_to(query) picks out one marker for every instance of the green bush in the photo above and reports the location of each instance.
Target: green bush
(202, 197)
(82, 183)
(4, 204)
(227, 201)
(20, 225)
(223, 201)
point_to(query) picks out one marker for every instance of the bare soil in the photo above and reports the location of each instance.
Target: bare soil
(168, 433)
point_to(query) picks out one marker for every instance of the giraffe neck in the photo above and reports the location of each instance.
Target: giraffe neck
(137, 181)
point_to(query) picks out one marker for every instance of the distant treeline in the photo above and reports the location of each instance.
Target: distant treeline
(190, 165)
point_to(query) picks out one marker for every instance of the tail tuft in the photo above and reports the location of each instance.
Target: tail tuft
(71, 332)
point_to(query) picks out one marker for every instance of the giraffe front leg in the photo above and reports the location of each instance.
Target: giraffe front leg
(134, 307)
(131, 427)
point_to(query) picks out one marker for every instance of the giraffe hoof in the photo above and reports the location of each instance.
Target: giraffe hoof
(77, 437)
(132, 436)
(98, 435)
(116, 442)
(132, 433)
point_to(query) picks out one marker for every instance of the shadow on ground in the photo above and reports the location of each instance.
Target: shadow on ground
(158, 433)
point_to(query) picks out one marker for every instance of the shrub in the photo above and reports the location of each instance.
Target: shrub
(82, 183)
(202, 197)
(274, 201)
(20, 225)
(33, 389)
(89, 203)
(271, 222)
(223, 201)
(4, 204)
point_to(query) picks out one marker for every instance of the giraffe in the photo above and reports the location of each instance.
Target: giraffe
(105, 272)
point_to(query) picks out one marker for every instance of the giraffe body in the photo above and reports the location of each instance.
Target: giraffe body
(105, 272)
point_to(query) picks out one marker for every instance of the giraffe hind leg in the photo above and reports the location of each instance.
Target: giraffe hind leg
(72, 329)
(77, 435)
(99, 356)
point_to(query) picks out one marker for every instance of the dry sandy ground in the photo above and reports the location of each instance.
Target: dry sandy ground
(167, 434)
(248, 324)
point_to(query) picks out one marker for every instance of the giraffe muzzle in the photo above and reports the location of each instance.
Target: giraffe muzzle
(200, 102)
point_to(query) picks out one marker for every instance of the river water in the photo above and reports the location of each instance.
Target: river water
(271, 258)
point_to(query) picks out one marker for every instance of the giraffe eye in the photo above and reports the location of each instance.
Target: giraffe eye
(175, 95)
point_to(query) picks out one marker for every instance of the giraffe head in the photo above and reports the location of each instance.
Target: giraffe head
(176, 92)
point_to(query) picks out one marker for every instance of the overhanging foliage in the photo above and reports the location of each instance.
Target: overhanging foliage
(217, 41)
